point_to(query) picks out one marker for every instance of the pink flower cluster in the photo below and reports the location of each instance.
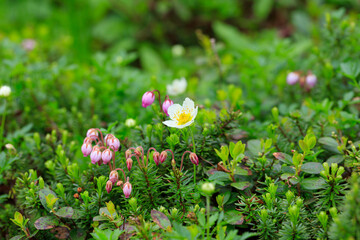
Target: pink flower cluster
(149, 97)
(308, 82)
(103, 150)
(102, 153)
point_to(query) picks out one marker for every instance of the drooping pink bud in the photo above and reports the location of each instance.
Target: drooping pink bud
(108, 137)
(86, 149)
(114, 143)
(311, 80)
(156, 157)
(109, 186)
(127, 153)
(119, 183)
(106, 156)
(147, 99)
(292, 78)
(114, 176)
(95, 154)
(88, 140)
(127, 188)
(163, 156)
(166, 104)
(129, 163)
(194, 158)
(92, 133)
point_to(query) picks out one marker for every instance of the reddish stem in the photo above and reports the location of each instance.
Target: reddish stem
(182, 159)
(137, 158)
(147, 156)
(102, 138)
(159, 97)
(122, 171)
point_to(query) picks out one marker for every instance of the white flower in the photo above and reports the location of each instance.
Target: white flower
(130, 122)
(5, 91)
(176, 87)
(182, 116)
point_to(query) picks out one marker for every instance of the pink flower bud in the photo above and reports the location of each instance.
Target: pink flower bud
(92, 133)
(109, 186)
(129, 163)
(311, 80)
(127, 188)
(147, 99)
(107, 156)
(114, 176)
(114, 143)
(163, 156)
(86, 149)
(108, 137)
(88, 140)
(127, 153)
(156, 157)
(119, 183)
(292, 78)
(166, 104)
(95, 155)
(194, 158)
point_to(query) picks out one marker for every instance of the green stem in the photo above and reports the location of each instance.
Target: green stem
(208, 216)
(193, 141)
(2, 126)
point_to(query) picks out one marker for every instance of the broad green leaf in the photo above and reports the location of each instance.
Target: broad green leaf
(241, 185)
(313, 183)
(283, 157)
(329, 144)
(312, 167)
(65, 212)
(350, 69)
(254, 147)
(45, 192)
(45, 223)
(335, 159)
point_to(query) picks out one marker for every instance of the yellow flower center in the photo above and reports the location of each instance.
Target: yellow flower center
(183, 117)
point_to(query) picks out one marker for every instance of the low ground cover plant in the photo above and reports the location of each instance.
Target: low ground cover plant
(238, 137)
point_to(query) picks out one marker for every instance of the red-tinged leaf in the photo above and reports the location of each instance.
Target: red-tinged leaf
(283, 157)
(45, 223)
(160, 219)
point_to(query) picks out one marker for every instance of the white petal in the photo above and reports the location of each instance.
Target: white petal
(173, 110)
(194, 113)
(188, 104)
(170, 123)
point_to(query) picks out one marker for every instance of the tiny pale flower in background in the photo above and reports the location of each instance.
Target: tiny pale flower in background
(182, 116)
(176, 87)
(114, 176)
(5, 91)
(177, 50)
(147, 99)
(194, 158)
(292, 78)
(106, 156)
(130, 123)
(28, 44)
(311, 80)
(109, 186)
(127, 188)
(166, 104)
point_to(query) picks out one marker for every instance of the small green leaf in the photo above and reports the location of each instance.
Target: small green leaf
(350, 69)
(45, 192)
(329, 144)
(283, 157)
(110, 207)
